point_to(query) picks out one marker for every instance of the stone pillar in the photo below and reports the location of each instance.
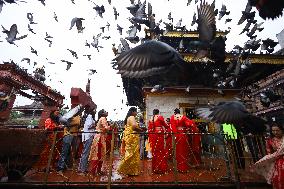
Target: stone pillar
(45, 114)
(6, 102)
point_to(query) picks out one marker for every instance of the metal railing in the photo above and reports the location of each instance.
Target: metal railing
(221, 160)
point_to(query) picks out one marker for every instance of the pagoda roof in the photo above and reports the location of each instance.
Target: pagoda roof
(254, 58)
(191, 33)
(33, 106)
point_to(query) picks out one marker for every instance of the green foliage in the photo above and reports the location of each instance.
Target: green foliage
(16, 115)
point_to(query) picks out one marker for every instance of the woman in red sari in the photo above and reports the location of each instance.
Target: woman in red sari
(51, 124)
(157, 128)
(271, 166)
(184, 151)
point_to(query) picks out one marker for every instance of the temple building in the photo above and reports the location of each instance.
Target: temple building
(201, 85)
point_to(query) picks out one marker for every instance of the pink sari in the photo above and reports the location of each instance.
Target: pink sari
(272, 166)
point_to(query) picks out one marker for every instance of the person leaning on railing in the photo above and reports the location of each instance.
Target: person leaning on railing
(271, 166)
(51, 124)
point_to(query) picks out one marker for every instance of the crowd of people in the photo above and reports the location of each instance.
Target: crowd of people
(165, 140)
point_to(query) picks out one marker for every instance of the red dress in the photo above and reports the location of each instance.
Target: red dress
(157, 129)
(42, 163)
(277, 179)
(186, 146)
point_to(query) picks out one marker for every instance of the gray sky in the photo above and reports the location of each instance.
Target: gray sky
(104, 84)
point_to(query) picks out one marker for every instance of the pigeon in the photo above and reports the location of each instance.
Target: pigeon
(188, 2)
(116, 14)
(245, 13)
(92, 71)
(74, 54)
(254, 29)
(194, 20)
(31, 18)
(55, 17)
(30, 29)
(157, 88)
(119, 28)
(224, 112)
(268, 9)
(246, 28)
(228, 20)
(170, 17)
(73, 1)
(95, 43)
(26, 59)
(99, 10)
(47, 36)
(49, 41)
(88, 55)
(132, 35)
(107, 25)
(103, 29)
(12, 33)
(223, 12)
(78, 22)
(106, 37)
(42, 2)
(68, 64)
(150, 58)
(34, 51)
(124, 44)
(87, 44)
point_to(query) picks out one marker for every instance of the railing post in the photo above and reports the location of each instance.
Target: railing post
(235, 164)
(50, 157)
(111, 160)
(227, 161)
(174, 157)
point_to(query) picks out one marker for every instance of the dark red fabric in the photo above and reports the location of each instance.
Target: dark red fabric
(187, 146)
(96, 165)
(157, 131)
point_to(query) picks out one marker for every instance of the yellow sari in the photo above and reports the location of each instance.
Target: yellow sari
(130, 161)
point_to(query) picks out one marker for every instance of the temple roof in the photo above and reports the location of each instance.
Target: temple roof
(33, 106)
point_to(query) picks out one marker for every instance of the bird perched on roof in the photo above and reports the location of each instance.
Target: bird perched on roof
(12, 33)
(78, 22)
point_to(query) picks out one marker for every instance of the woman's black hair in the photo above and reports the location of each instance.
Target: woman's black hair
(155, 112)
(275, 124)
(53, 117)
(101, 113)
(129, 113)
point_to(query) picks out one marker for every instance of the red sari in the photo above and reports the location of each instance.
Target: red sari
(50, 126)
(186, 146)
(277, 178)
(157, 143)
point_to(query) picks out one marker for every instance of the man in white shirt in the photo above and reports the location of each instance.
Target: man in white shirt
(87, 139)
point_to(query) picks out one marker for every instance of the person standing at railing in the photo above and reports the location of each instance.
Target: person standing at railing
(271, 166)
(51, 124)
(98, 148)
(87, 139)
(181, 125)
(157, 127)
(130, 160)
(72, 120)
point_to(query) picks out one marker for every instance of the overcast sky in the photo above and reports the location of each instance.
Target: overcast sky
(106, 85)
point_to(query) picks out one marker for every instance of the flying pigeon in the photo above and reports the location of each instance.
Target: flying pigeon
(74, 54)
(68, 64)
(116, 14)
(78, 22)
(12, 33)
